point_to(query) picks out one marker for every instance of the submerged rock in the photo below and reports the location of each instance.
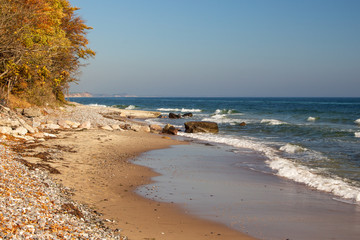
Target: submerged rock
(187, 115)
(174, 116)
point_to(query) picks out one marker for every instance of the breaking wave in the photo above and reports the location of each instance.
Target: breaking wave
(178, 110)
(130, 107)
(273, 122)
(292, 148)
(311, 119)
(286, 168)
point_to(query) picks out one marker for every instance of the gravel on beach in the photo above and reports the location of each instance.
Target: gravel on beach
(32, 206)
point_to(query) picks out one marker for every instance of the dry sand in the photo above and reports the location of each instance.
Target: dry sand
(95, 163)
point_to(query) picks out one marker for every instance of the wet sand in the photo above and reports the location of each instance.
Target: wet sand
(95, 163)
(213, 183)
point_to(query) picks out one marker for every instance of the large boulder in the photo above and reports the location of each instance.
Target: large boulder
(174, 116)
(169, 129)
(201, 127)
(155, 128)
(32, 112)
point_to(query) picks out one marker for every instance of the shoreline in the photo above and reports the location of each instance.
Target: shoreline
(111, 190)
(96, 165)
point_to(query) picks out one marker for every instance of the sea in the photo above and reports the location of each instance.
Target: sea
(310, 142)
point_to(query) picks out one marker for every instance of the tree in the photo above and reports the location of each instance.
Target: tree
(42, 43)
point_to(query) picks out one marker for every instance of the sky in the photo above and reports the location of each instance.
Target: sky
(222, 48)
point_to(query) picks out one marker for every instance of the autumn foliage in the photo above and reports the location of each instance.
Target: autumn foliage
(42, 44)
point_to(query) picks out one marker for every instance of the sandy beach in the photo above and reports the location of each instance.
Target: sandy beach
(96, 165)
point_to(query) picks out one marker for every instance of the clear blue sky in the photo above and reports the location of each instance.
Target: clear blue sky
(223, 47)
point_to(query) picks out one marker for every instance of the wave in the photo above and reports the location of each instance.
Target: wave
(178, 110)
(286, 168)
(292, 148)
(273, 122)
(222, 119)
(130, 107)
(357, 134)
(226, 111)
(357, 121)
(311, 119)
(97, 105)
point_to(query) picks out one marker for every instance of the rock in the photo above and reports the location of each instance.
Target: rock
(155, 128)
(86, 125)
(36, 124)
(52, 126)
(63, 124)
(135, 127)
(39, 135)
(162, 116)
(187, 115)
(32, 112)
(20, 131)
(9, 123)
(50, 135)
(174, 116)
(106, 127)
(5, 130)
(27, 126)
(115, 127)
(242, 124)
(169, 129)
(72, 124)
(204, 127)
(145, 129)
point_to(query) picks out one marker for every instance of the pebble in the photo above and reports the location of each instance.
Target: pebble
(31, 206)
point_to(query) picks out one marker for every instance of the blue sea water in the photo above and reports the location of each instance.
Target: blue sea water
(314, 141)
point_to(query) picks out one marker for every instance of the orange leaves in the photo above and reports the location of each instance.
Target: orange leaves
(43, 42)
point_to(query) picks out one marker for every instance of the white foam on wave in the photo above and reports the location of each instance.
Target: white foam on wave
(292, 148)
(130, 107)
(96, 105)
(226, 111)
(273, 122)
(222, 119)
(311, 119)
(286, 168)
(357, 134)
(179, 110)
(357, 121)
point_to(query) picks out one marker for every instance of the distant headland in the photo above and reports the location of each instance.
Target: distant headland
(87, 94)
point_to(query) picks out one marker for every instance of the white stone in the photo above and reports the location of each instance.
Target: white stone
(27, 126)
(86, 125)
(75, 125)
(6, 130)
(39, 135)
(115, 127)
(63, 124)
(50, 135)
(36, 124)
(20, 131)
(106, 127)
(51, 126)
